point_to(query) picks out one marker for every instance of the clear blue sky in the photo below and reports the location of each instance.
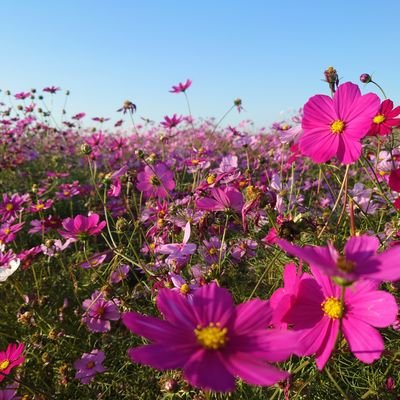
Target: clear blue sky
(269, 53)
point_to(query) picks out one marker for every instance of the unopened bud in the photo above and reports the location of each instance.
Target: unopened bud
(365, 78)
(86, 149)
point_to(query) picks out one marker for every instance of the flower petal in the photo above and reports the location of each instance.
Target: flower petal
(365, 342)
(206, 370)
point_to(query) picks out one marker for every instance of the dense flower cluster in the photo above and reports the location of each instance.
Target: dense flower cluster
(98, 227)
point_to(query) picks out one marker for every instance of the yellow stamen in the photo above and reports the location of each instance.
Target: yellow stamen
(212, 337)
(337, 126)
(90, 365)
(378, 119)
(185, 289)
(212, 251)
(4, 364)
(211, 179)
(9, 207)
(332, 307)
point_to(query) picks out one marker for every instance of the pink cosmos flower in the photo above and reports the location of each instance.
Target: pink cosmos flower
(228, 198)
(10, 392)
(315, 309)
(334, 127)
(181, 286)
(99, 312)
(179, 251)
(22, 95)
(82, 227)
(385, 119)
(79, 116)
(9, 263)
(360, 259)
(89, 365)
(11, 358)
(51, 89)
(11, 205)
(213, 250)
(212, 340)
(171, 122)
(119, 274)
(8, 231)
(181, 87)
(156, 181)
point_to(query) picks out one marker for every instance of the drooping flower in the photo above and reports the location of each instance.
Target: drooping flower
(81, 227)
(360, 259)
(334, 127)
(181, 87)
(11, 358)
(89, 365)
(316, 309)
(156, 181)
(212, 340)
(385, 119)
(99, 312)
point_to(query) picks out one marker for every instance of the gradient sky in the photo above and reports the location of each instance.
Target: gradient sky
(271, 54)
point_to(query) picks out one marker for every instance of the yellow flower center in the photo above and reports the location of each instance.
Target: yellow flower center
(211, 179)
(4, 364)
(66, 192)
(185, 289)
(332, 307)
(195, 162)
(337, 126)
(7, 231)
(90, 365)
(212, 337)
(378, 119)
(212, 251)
(39, 206)
(9, 207)
(345, 265)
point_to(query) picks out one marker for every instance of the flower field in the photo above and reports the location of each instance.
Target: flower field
(188, 259)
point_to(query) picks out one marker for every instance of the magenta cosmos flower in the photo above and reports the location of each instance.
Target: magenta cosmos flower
(156, 181)
(360, 259)
(334, 127)
(385, 119)
(315, 309)
(11, 358)
(82, 227)
(99, 312)
(181, 87)
(212, 340)
(228, 198)
(89, 365)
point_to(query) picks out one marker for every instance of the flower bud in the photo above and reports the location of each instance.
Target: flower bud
(365, 78)
(86, 149)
